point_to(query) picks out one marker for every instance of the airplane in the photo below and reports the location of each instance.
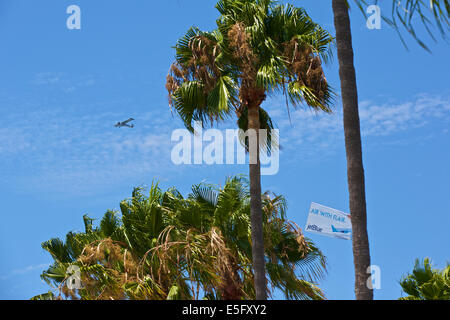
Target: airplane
(341, 230)
(124, 124)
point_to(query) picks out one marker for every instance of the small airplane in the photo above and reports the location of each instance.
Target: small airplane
(125, 124)
(341, 230)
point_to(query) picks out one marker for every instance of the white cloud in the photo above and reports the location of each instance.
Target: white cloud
(61, 147)
(387, 119)
(62, 81)
(31, 268)
(25, 270)
(47, 78)
(318, 134)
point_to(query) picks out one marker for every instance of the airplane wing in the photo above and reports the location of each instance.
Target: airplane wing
(126, 121)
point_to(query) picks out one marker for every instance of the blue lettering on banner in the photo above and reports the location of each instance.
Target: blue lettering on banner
(328, 215)
(337, 218)
(314, 228)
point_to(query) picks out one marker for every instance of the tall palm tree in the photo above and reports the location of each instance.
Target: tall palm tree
(168, 247)
(355, 169)
(259, 48)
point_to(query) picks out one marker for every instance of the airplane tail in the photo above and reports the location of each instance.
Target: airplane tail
(333, 228)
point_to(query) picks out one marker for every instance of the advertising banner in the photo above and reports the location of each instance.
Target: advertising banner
(329, 222)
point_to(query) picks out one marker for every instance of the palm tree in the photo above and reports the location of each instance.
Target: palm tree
(349, 93)
(223, 215)
(259, 48)
(426, 283)
(169, 247)
(355, 168)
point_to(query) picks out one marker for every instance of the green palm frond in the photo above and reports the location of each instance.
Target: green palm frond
(222, 97)
(88, 224)
(57, 249)
(292, 287)
(299, 93)
(44, 296)
(203, 193)
(55, 274)
(426, 283)
(109, 224)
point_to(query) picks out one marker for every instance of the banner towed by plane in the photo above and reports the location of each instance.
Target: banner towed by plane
(329, 222)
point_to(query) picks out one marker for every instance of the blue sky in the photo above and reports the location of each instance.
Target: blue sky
(62, 90)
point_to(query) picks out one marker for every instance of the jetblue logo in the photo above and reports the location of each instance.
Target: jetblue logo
(313, 227)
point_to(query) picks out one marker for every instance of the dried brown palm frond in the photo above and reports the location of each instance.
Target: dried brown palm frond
(303, 245)
(200, 67)
(305, 68)
(107, 268)
(248, 62)
(203, 259)
(240, 43)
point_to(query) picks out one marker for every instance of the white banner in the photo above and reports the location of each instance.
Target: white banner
(329, 222)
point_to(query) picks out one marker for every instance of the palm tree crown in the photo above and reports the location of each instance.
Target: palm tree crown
(258, 48)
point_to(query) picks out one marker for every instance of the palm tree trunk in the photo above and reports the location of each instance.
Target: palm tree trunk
(256, 212)
(355, 169)
(231, 288)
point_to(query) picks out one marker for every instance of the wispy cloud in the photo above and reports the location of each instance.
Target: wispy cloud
(62, 81)
(47, 78)
(51, 146)
(25, 270)
(31, 268)
(311, 134)
(386, 119)
(54, 146)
